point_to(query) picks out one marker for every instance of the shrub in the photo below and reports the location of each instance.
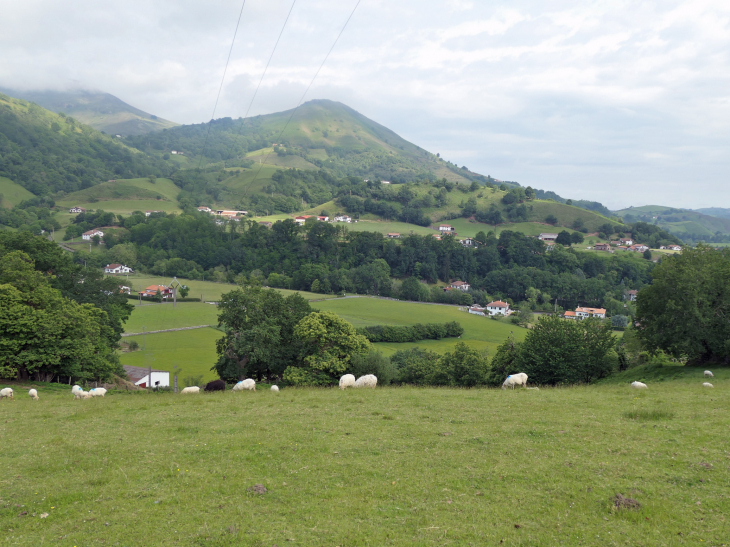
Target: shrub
(375, 363)
(133, 345)
(415, 365)
(411, 333)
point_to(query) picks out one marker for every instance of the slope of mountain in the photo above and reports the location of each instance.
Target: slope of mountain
(684, 223)
(46, 152)
(325, 133)
(714, 212)
(102, 111)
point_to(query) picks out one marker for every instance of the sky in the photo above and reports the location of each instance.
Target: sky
(622, 102)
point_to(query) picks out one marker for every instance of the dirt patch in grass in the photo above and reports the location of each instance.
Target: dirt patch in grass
(257, 489)
(621, 502)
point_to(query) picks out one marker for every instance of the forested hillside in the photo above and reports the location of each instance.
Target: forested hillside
(47, 153)
(691, 226)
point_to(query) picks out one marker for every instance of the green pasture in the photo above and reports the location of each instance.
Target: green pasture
(166, 316)
(389, 466)
(385, 227)
(12, 193)
(479, 332)
(125, 207)
(125, 190)
(209, 290)
(191, 350)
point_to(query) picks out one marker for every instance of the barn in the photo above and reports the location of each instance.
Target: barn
(139, 376)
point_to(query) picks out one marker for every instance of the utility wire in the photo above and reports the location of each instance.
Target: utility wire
(220, 88)
(309, 86)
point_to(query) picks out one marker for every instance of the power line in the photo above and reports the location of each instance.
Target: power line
(309, 86)
(220, 88)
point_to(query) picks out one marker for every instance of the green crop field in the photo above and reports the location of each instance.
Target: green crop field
(12, 193)
(390, 466)
(479, 332)
(192, 350)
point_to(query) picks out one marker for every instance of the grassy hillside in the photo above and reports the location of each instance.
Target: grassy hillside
(389, 466)
(102, 111)
(50, 153)
(142, 190)
(681, 222)
(12, 193)
(715, 212)
(479, 332)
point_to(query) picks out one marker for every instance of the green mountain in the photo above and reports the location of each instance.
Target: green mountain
(714, 212)
(684, 223)
(102, 111)
(325, 134)
(46, 153)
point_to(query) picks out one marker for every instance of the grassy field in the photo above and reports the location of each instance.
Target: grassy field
(385, 227)
(127, 195)
(12, 193)
(479, 332)
(193, 350)
(209, 290)
(391, 466)
(165, 316)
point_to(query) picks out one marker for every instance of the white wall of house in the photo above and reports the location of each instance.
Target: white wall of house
(162, 377)
(494, 310)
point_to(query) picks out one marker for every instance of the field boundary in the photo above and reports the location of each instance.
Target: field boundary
(164, 330)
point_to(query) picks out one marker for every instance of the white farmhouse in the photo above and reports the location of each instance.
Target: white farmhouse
(91, 233)
(498, 308)
(585, 313)
(117, 269)
(343, 218)
(547, 237)
(139, 376)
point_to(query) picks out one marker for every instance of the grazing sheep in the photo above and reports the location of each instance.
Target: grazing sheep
(248, 384)
(515, 380)
(191, 389)
(638, 385)
(76, 389)
(33, 394)
(7, 392)
(708, 374)
(369, 380)
(97, 392)
(348, 380)
(275, 389)
(85, 395)
(215, 385)
(707, 384)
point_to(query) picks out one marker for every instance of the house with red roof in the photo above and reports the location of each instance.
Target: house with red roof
(498, 308)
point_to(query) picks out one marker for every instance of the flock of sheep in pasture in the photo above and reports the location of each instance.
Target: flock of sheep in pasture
(348, 380)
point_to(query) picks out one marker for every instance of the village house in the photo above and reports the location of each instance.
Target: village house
(674, 247)
(323, 218)
(627, 241)
(117, 269)
(231, 213)
(446, 229)
(615, 243)
(343, 218)
(148, 213)
(569, 314)
(139, 376)
(205, 209)
(150, 291)
(77, 210)
(436, 236)
(302, 219)
(476, 309)
(640, 248)
(498, 308)
(585, 313)
(467, 242)
(602, 247)
(547, 237)
(392, 235)
(385, 182)
(91, 233)
(125, 290)
(265, 223)
(631, 295)
(461, 285)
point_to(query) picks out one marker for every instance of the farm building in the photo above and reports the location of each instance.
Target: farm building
(461, 285)
(92, 233)
(392, 235)
(585, 313)
(205, 209)
(602, 247)
(343, 218)
(547, 237)
(140, 376)
(117, 269)
(498, 308)
(165, 291)
(446, 229)
(476, 309)
(77, 210)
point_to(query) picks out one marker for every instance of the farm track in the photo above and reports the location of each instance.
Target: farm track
(164, 330)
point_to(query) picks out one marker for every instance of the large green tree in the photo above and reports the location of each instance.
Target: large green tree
(259, 332)
(686, 309)
(43, 334)
(328, 342)
(562, 351)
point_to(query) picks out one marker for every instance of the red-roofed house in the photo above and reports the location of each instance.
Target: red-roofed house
(498, 308)
(92, 233)
(585, 313)
(602, 247)
(117, 269)
(165, 291)
(569, 314)
(392, 235)
(461, 285)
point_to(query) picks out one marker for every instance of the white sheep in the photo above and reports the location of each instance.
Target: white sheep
(191, 389)
(707, 384)
(85, 395)
(7, 392)
(248, 384)
(33, 394)
(76, 389)
(369, 380)
(275, 389)
(348, 380)
(97, 392)
(515, 380)
(638, 385)
(708, 374)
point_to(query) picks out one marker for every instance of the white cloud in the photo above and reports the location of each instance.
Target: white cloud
(620, 101)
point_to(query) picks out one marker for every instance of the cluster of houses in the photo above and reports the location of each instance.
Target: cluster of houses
(165, 291)
(227, 214)
(585, 313)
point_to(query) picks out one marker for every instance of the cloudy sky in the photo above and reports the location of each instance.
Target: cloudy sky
(624, 102)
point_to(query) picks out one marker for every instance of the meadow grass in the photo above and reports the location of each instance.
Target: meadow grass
(479, 332)
(12, 193)
(191, 350)
(390, 466)
(166, 316)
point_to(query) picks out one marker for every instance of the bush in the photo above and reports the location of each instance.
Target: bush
(375, 363)
(415, 365)
(133, 345)
(411, 333)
